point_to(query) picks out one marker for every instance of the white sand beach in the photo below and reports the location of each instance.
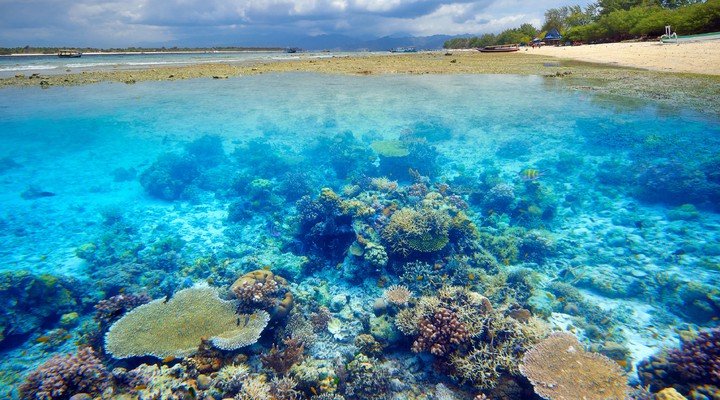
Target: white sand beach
(696, 57)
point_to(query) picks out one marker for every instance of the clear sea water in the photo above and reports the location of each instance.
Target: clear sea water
(630, 193)
(51, 64)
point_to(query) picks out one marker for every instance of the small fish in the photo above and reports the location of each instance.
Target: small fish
(622, 363)
(168, 359)
(66, 337)
(471, 277)
(34, 193)
(266, 268)
(531, 174)
(140, 387)
(42, 339)
(419, 277)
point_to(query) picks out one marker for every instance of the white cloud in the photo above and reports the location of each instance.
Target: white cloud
(132, 22)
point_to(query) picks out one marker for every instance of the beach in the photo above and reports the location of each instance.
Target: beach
(686, 74)
(693, 58)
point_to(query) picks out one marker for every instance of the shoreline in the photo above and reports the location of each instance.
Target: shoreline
(637, 70)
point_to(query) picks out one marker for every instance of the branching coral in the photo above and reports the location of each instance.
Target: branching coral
(559, 368)
(174, 327)
(64, 375)
(398, 295)
(281, 361)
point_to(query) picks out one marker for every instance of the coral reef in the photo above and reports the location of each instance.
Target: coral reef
(265, 290)
(398, 295)
(411, 230)
(592, 376)
(365, 378)
(174, 327)
(440, 333)
(695, 363)
(63, 376)
(32, 301)
(281, 361)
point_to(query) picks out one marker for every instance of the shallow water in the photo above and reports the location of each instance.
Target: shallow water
(51, 64)
(609, 181)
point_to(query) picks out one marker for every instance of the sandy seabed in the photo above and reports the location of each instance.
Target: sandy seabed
(686, 74)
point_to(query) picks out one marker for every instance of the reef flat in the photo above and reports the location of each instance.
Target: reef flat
(698, 91)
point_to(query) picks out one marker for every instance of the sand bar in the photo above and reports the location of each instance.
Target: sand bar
(638, 70)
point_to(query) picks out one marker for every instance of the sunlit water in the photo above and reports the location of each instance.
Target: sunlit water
(588, 149)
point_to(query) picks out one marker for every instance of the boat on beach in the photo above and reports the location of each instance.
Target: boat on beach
(670, 37)
(69, 54)
(674, 38)
(502, 48)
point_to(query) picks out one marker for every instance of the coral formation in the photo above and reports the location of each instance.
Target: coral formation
(174, 327)
(695, 363)
(65, 375)
(281, 361)
(440, 333)
(398, 295)
(263, 289)
(592, 376)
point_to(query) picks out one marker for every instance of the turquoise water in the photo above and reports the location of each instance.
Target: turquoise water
(597, 214)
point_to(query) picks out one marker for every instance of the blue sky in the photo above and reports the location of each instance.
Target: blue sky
(123, 23)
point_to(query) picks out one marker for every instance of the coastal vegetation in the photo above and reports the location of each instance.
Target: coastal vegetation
(610, 21)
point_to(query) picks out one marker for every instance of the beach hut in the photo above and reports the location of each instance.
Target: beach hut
(553, 37)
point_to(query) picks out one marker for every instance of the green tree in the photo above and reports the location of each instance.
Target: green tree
(608, 6)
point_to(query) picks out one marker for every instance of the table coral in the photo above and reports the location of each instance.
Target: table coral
(174, 327)
(559, 368)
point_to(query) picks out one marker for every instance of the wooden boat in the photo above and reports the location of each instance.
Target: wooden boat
(674, 38)
(69, 54)
(502, 48)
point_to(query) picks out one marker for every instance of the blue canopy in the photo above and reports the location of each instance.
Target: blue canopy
(553, 34)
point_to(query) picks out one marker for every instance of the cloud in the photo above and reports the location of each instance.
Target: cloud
(119, 23)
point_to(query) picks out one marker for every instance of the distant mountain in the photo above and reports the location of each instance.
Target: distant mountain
(341, 42)
(335, 42)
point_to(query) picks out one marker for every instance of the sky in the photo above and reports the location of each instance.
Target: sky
(144, 23)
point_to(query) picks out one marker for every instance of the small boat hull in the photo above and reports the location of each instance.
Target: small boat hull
(499, 49)
(69, 54)
(674, 39)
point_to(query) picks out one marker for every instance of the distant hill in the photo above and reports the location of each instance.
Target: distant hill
(346, 43)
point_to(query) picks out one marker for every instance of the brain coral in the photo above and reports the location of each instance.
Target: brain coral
(175, 327)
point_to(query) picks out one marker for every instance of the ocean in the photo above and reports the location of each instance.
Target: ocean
(51, 64)
(413, 237)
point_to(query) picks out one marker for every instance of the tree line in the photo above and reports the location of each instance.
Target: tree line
(610, 21)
